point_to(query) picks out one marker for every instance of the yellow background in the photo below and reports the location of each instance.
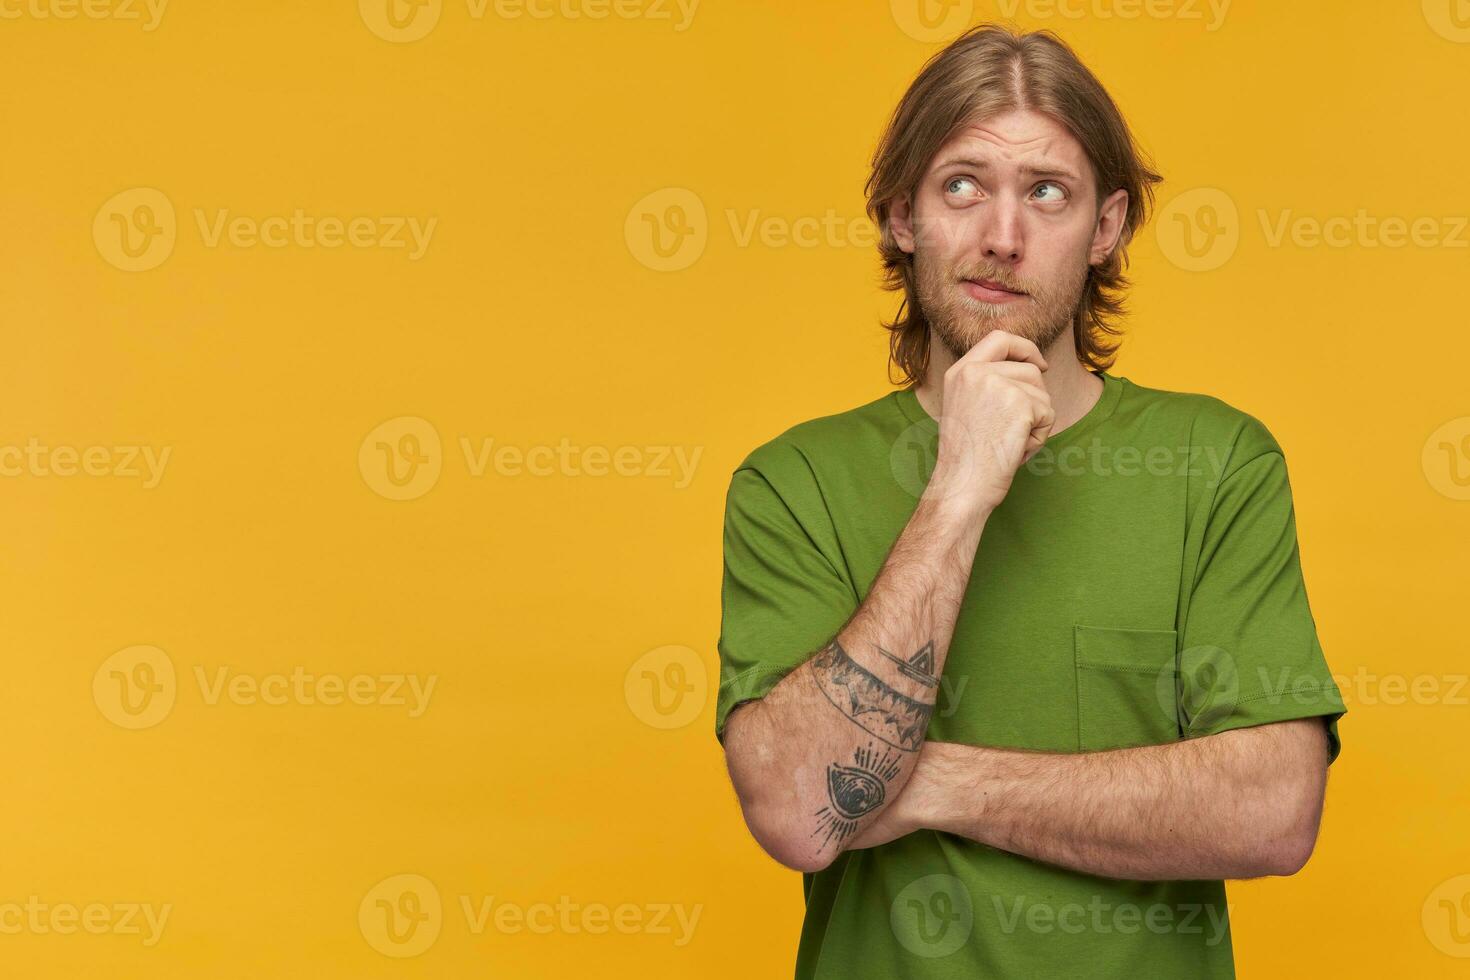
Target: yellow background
(537, 314)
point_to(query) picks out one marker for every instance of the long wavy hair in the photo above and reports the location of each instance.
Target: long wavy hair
(989, 70)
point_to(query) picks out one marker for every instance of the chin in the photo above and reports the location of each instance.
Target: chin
(981, 317)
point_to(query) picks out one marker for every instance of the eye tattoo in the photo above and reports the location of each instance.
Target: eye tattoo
(855, 791)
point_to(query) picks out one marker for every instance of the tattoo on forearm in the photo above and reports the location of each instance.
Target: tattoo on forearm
(855, 791)
(869, 703)
(919, 667)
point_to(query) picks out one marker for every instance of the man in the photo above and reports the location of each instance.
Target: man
(1017, 689)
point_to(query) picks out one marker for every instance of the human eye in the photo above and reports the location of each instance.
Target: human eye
(961, 186)
(1057, 192)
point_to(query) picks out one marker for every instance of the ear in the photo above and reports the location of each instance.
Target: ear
(1110, 219)
(900, 223)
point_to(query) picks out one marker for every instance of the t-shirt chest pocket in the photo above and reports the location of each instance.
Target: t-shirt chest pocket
(1127, 684)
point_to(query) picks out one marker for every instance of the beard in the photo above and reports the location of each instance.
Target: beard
(959, 320)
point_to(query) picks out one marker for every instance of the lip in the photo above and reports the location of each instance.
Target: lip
(991, 291)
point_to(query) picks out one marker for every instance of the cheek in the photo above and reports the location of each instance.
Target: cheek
(941, 232)
(1081, 237)
(1059, 252)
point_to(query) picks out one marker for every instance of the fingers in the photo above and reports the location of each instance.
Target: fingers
(1027, 378)
(1046, 416)
(1000, 345)
(1045, 419)
(999, 382)
(1018, 382)
(1023, 371)
(1043, 416)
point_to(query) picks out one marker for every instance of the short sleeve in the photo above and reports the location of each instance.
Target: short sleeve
(782, 598)
(1249, 654)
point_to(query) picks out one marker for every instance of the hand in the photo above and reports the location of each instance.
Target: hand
(997, 415)
(894, 821)
(906, 813)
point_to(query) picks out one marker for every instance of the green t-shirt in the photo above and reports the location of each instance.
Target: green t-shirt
(1139, 584)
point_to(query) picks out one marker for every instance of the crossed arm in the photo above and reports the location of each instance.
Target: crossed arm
(1238, 804)
(829, 747)
(834, 758)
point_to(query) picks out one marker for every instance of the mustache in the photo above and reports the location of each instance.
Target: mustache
(996, 275)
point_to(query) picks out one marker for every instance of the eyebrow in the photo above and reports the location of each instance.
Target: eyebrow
(1051, 170)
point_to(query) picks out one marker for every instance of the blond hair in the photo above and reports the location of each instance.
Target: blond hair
(986, 71)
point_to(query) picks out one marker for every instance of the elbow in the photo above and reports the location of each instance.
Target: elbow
(1274, 856)
(1293, 816)
(776, 798)
(798, 859)
(1286, 847)
(1289, 853)
(789, 845)
(779, 818)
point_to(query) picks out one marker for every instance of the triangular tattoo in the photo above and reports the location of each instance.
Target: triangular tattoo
(920, 666)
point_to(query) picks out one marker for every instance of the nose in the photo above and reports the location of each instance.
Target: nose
(1000, 230)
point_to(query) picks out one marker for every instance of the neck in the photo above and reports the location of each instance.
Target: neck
(1073, 388)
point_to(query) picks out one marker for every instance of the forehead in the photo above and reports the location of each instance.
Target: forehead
(1019, 138)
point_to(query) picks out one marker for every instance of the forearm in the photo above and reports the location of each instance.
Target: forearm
(1234, 805)
(822, 754)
